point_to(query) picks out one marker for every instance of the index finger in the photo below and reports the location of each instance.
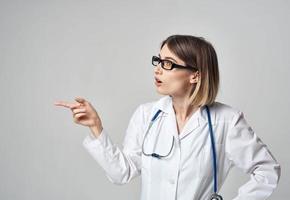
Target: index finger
(66, 104)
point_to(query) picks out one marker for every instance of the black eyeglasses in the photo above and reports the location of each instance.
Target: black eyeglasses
(169, 65)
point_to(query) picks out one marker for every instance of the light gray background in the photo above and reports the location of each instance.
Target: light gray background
(101, 50)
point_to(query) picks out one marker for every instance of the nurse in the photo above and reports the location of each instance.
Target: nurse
(168, 141)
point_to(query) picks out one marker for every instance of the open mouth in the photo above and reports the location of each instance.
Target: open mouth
(157, 80)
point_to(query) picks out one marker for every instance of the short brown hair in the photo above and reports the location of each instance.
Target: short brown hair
(199, 53)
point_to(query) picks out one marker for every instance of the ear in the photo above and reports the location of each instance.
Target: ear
(194, 77)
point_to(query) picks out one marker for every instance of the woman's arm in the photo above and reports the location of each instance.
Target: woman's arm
(119, 165)
(246, 150)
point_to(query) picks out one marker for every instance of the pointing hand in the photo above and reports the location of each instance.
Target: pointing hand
(83, 113)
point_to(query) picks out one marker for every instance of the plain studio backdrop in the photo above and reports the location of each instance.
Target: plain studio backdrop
(101, 50)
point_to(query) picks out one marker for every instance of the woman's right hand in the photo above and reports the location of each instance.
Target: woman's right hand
(84, 114)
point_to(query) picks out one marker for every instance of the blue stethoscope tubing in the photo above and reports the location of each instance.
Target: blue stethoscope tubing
(214, 196)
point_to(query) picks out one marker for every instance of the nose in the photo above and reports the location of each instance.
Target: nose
(158, 69)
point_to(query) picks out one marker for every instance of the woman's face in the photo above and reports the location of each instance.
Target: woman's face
(175, 82)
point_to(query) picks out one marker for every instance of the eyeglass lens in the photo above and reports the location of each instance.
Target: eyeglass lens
(166, 64)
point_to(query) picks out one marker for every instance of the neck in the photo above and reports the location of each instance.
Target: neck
(182, 107)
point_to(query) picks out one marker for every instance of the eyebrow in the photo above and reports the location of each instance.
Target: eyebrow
(167, 58)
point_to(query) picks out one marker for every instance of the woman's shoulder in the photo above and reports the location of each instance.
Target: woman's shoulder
(223, 107)
(218, 107)
(225, 111)
(160, 100)
(147, 106)
(142, 111)
(150, 107)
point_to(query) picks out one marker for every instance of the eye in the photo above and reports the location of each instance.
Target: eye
(167, 64)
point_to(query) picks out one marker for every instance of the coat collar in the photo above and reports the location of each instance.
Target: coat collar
(198, 118)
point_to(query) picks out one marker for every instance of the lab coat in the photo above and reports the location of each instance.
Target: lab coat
(186, 174)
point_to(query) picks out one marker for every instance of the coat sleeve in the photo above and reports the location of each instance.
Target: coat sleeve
(120, 165)
(249, 153)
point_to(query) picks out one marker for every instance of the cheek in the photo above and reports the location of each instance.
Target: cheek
(177, 82)
(173, 85)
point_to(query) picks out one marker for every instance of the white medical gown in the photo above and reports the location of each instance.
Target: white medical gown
(186, 174)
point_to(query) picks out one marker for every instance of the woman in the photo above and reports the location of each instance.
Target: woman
(170, 143)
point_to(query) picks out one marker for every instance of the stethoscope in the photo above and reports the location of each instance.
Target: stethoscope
(215, 195)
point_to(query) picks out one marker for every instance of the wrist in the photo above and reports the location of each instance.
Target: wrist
(96, 130)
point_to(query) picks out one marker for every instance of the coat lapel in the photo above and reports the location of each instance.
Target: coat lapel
(198, 118)
(192, 124)
(165, 127)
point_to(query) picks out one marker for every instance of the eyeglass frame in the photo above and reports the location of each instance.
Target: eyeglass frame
(173, 65)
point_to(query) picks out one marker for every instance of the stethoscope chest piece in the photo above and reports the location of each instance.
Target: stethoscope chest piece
(215, 196)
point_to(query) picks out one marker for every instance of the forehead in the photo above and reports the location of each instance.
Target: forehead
(165, 53)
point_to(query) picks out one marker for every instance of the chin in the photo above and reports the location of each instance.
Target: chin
(162, 92)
